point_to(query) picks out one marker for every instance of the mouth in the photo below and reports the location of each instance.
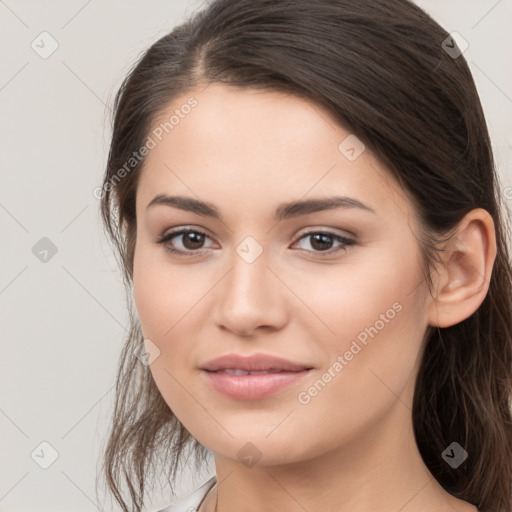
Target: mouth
(252, 377)
(245, 385)
(252, 363)
(238, 371)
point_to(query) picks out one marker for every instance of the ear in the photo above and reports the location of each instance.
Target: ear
(463, 280)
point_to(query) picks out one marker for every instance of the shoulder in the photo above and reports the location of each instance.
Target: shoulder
(191, 501)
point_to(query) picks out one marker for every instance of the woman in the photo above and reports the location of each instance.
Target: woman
(305, 205)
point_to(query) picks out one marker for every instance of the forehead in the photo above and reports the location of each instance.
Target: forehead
(267, 146)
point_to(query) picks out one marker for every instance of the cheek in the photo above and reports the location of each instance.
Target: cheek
(163, 292)
(370, 372)
(148, 291)
(362, 299)
(160, 294)
(371, 329)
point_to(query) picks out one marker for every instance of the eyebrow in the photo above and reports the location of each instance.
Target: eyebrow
(283, 211)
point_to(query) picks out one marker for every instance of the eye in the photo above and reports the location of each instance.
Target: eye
(322, 242)
(192, 241)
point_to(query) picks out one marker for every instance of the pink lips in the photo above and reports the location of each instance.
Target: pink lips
(278, 373)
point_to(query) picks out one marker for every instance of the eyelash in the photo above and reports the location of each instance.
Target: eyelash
(346, 242)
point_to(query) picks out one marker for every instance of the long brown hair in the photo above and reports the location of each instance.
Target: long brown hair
(384, 69)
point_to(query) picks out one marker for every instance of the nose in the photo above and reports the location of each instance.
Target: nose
(252, 298)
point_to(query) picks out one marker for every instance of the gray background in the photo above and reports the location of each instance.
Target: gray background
(62, 320)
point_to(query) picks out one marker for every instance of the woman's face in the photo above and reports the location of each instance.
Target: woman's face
(352, 309)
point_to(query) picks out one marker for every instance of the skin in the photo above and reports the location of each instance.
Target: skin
(352, 447)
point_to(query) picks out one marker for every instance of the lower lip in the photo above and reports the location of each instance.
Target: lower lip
(252, 387)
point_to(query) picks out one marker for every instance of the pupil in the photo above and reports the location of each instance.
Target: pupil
(323, 238)
(190, 238)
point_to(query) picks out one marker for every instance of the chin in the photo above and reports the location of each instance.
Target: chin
(255, 446)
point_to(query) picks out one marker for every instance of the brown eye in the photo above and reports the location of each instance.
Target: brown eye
(192, 241)
(322, 241)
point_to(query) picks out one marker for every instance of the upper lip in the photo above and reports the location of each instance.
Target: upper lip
(255, 362)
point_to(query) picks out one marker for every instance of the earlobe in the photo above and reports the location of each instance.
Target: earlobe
(463, 281)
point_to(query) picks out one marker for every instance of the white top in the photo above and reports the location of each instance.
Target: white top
(191, 501)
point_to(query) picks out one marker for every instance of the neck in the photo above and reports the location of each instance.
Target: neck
(381, 470)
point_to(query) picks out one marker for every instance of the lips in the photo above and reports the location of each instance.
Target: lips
(252, 377)
(237, 371)
(256, 363)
